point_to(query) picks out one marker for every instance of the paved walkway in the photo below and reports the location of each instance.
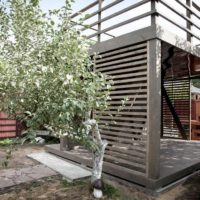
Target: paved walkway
(11, 177)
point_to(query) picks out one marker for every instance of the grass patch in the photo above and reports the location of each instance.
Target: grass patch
(66, 183)
(6, 142)
(111, 192)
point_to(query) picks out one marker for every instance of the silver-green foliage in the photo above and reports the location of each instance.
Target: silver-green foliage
(46, 76)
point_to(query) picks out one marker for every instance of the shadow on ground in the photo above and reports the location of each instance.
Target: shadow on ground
(192, 189)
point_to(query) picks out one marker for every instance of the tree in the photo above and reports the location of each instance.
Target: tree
(46, 75)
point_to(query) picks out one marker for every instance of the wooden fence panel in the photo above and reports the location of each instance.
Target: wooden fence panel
(8, 127)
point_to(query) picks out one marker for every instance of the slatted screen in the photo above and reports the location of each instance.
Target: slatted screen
(8, 127)
(179, 94)
(125, 130)
(176, 81)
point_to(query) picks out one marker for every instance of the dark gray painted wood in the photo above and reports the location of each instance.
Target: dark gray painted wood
(154, 109)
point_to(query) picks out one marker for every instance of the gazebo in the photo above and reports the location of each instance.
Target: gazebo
(150, 50)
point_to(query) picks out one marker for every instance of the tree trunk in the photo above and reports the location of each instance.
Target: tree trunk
(98, 162)
(98, 155)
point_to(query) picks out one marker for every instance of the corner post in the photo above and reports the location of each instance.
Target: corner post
(154, 109)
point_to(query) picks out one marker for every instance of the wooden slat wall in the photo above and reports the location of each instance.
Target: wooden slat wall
(179, 94)
(125, 130)
(8, 127)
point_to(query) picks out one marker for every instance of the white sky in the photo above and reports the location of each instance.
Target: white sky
(79, 4)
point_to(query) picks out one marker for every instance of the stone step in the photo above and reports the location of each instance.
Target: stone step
(69, 170)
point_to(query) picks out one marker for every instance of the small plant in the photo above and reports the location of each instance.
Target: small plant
(11, 145)
(7, 158)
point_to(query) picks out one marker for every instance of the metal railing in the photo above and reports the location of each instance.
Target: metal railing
(151, 11)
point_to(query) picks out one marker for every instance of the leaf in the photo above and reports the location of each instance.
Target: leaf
(35, 2)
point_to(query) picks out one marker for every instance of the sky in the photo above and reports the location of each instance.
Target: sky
(54, 4)
(79, 4)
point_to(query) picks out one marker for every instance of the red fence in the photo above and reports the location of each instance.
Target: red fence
(8, 127)
(195, 110)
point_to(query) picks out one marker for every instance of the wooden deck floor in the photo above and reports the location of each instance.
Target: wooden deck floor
(178, 159)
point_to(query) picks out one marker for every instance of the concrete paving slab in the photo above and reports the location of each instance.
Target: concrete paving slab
(11, 177)
(70, 171)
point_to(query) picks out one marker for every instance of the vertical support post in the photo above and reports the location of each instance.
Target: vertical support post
(63, 143)
(99, 20)
(154, 109)
(188, 14)
(190, 125)
(153, 16)
(19, 128)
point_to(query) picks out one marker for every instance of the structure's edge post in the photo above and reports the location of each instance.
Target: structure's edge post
(190, 125)
(154, 109)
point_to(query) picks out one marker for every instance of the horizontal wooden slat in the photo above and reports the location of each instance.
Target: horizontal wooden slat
(103, 9)
(7, 135)
(138, 96)
(121, 140)
(137, 91)
(134, 107)
(119, 123)
(120, 66)
(119, 160)
(135, 119)
(122, 134)
(125, 129)
(122, 76)
(144, 56)
(125, 156)
(123, 23)
(9, 130)
(118, 13)
(122, 113)
(133, 80)
(85, 8)
(131, 147)
(134, 85)
(122, 55)
(121, 50)
(123, 71)
(128, 102)
(127, 151)
(7, 121)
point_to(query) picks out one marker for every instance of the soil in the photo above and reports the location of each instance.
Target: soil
(55, 188)
(18, 156)
(52, 188)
